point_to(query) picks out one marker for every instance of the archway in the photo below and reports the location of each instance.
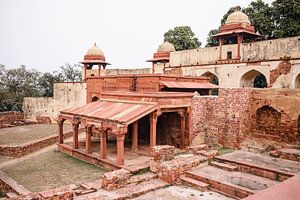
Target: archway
(253, 78)
(95, 98)
(214, 80)
(267, 119)
(297, 83)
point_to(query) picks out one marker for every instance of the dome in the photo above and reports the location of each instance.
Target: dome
(237, 17)
(166, 47)
(95, 51)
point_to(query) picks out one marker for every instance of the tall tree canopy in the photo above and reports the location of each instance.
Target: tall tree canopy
(210, 40)
(17, 83)
(286, 16)
(182, 37)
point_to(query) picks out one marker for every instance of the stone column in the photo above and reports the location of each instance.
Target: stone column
(75, 127)
(88, 140)
(135, 137)
(221, 42)
(84, 72)
(189, 124)
(153, 122)
(120, 148)
(182, 130)
(103, 134)
(99, 70)
(239, 41)
(60, 124)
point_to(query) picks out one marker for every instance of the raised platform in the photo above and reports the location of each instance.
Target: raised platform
(261, 165)
(133, 161)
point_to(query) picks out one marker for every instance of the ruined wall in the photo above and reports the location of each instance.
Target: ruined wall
(94, 71)
(66, 95)
(238, 114)
(10, 117)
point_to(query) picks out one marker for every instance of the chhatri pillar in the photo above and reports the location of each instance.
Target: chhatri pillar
(75, 129)
(88, 139)
(182, 129)
(94, 56)
(60, 124)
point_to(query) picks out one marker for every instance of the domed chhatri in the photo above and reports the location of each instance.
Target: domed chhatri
(94, 56)
(96, 51)
(236, 29)
(237, 17)
(166, 47)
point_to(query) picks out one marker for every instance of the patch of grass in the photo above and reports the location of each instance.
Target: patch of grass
(223, 150)
(51, 170)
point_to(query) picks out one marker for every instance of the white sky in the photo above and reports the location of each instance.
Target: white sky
(45, 34)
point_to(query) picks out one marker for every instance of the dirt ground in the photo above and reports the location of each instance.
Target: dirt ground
(51, 170)
(5, 158)
(23, 134)
(180, 192)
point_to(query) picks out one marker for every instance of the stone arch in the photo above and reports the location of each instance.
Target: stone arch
(267, 119)
(213, 78)
(95, 98)
(254, 78)
(297, 82)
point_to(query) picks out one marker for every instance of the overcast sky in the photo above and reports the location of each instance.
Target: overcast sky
(45, 34)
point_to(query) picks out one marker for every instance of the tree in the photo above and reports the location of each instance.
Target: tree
(210, 40)
(286, 16)
(182, 37)
(15, 85)
(260, 15)
(69, 73)
(46, 83)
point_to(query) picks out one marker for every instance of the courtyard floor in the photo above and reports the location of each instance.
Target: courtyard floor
(51, 169)
(180, 192)
(23, 134)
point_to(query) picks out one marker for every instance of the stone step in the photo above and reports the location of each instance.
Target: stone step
(290, 154)
(135, 179)
(134, 190)
(230, 190)
(224, 166)
(194, 183)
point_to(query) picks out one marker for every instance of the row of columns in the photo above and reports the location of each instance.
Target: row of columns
(239, 41)
(85, 67)
(185, 124)
(88, 140)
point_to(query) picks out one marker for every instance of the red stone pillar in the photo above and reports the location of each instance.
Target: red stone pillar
(84, 72)
(103, 144)
(153, 122)
(182, 130)
(152, 67)
(135, 136)
(75, 127)
(239, 41)
(120, 148)
(88, 140)
(221, 42)
(99, 70)
(60, 124)
(189, 124)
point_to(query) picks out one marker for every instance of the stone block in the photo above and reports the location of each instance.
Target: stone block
(196, 148)
(59, 193)
(170, 171)
(209, 154)
(162, 153)
(115, 179)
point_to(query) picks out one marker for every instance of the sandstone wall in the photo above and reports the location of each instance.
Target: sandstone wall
(237, 114)
(256, 51)
(66, 95)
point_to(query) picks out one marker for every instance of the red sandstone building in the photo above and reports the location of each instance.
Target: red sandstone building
(138, 111)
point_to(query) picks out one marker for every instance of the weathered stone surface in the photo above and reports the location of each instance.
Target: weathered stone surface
(115, 179)
(170, 171)
(162, 152)
(11, 118)
(209, 154)
(194, 149)
(64, 193)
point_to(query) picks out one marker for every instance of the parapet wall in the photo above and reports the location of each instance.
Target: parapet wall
(256, 51)
(238, 114)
